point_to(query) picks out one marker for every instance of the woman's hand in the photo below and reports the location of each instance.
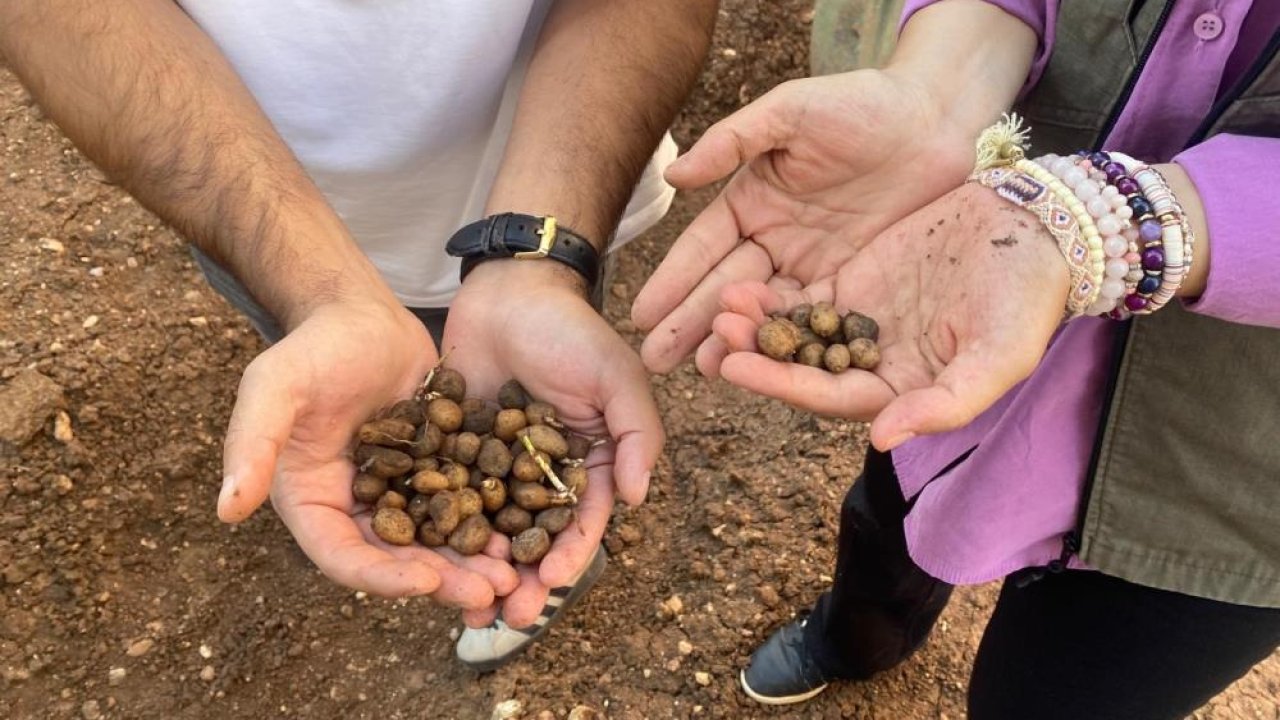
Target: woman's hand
(827, 164)
(968, 292)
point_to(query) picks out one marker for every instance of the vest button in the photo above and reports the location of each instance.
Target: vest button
(1208, 26)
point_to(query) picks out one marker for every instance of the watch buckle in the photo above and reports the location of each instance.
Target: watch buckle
(548, 239)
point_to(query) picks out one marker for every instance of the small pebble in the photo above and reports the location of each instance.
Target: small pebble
(506, 710)
(62, 428)
(116, 675)
(584, 712)
(207, 673)
(140, 648)
(702, 678)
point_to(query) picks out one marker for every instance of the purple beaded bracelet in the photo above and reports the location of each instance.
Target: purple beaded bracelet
(1144, 255)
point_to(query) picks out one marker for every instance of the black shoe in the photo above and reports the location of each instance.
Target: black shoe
(782, 671)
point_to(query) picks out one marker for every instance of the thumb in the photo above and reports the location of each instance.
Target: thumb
(261, 422)
(969, 385)
(632, 419)
(764, 125)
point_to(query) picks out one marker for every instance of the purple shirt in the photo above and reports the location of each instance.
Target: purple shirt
(1009, 504)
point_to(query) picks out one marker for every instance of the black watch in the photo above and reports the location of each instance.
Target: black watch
(524, 237)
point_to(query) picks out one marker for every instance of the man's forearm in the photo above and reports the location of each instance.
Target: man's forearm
(149, 98)
(971, 56)
(606, 80)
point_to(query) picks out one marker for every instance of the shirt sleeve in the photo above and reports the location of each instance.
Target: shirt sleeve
(1236, 177)
(1040, 15)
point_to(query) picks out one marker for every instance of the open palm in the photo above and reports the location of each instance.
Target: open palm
(968, 292)
(550, 339)
(827, 163)
(298, 405)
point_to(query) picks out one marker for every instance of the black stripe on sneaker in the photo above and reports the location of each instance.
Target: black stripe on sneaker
(561, 592)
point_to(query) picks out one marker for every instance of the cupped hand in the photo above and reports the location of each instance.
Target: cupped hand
(529, 320)
(968, 292)
(297, 408)
(827, 163)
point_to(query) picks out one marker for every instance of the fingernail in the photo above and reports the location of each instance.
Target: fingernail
(228, 490)
(904, 437)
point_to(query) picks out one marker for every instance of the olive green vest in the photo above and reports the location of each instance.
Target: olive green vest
(1184, 487)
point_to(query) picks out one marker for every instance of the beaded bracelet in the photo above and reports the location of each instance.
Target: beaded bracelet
(1112, 216)
(1142, 233)
(1095, 259)
(1173, 249)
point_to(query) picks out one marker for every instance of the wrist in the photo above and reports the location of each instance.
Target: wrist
(303, 260)
(516, 278)
(985, 59)
(1193, 285)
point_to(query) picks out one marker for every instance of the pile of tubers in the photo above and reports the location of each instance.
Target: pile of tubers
(816, 335)
(450, 470)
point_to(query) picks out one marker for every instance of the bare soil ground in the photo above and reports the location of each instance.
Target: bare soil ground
(122, 596)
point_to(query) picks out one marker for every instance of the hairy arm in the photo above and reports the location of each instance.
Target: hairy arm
(606, 80)
(146, 95)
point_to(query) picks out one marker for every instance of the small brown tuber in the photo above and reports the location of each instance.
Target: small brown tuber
(811, 354)
(864, 353)
(512, 396)
(513, 520)
(368, 488)
(445, 414)
(508, 424)
(836, 358)
(393, 526)
(382, 462)
(448, 383)
(471, 535)
(530, 546)
(779, 339)
(555, 519)
(824, 320)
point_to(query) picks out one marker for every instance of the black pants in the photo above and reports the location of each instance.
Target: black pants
(1076, 644)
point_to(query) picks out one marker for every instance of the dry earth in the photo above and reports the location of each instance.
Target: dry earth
(123, 597)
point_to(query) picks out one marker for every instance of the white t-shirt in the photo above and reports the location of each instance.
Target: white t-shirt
(400, 111)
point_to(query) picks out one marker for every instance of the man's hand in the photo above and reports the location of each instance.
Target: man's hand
(529, 320)
(298, 405)
(968, 292)
(827, 163)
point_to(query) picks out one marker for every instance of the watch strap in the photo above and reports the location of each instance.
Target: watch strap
(522, 236)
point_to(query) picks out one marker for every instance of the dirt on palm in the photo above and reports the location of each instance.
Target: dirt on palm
(123, 597)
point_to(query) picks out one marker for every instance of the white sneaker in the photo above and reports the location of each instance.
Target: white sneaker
(486, 649)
